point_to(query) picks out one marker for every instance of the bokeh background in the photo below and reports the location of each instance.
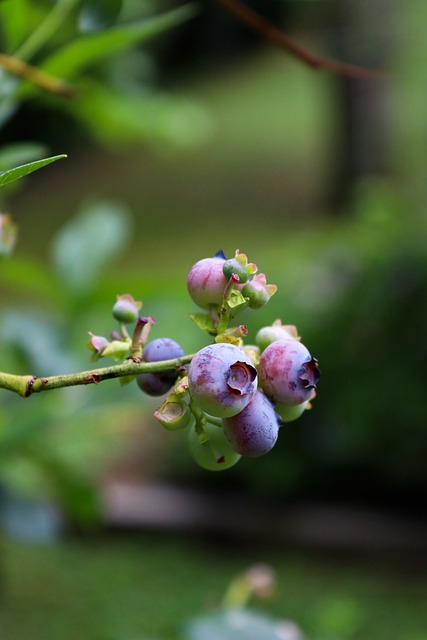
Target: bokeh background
(193, 135)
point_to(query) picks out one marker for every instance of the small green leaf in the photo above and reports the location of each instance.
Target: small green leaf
(117, 349)
(235, 299)
(96, 14)
(25, 169)
(204, 322)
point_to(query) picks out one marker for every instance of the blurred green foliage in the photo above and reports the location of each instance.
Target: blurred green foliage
(100, 75)
(41, 453)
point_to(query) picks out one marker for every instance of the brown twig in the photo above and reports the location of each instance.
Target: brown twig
(281, 40)
(37, 77)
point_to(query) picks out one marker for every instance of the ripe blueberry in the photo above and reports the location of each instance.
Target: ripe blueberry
(288, 373)
(253, 432)
(222, 379)
(206, 282)
(156, 384)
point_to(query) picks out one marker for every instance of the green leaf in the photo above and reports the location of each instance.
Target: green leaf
(117, 349)
(25, 169)
(204, 322)
(98, 14)
(235, 299)
(75, 56)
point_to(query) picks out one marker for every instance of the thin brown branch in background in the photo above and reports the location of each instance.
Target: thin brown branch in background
(281, 40)
(39, 78)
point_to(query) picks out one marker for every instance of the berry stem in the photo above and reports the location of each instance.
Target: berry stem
(26, 385)
(217, 422)
(140, 335)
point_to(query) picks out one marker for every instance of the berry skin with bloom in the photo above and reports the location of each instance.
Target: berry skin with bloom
(253, 432)
(222, 379)
(288, 373)
(206, 282)
(157, 384)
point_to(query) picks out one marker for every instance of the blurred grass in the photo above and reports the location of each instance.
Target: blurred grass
(118, 588)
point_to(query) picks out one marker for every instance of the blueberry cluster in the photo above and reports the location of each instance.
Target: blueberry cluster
(232, 398)
(251, 399)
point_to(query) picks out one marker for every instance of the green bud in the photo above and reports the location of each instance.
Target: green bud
(96, 344)
(258, 291)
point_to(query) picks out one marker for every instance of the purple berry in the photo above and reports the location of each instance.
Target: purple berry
(161, 349)
(206, 282)
(253, 432)
(288, 373)
(157, 384)
(222, 379)
(154, 384)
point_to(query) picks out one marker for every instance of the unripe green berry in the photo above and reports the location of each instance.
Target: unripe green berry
(126, 309)
(258, 292)
(277, 331)
(289, 413)
(215, 454)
